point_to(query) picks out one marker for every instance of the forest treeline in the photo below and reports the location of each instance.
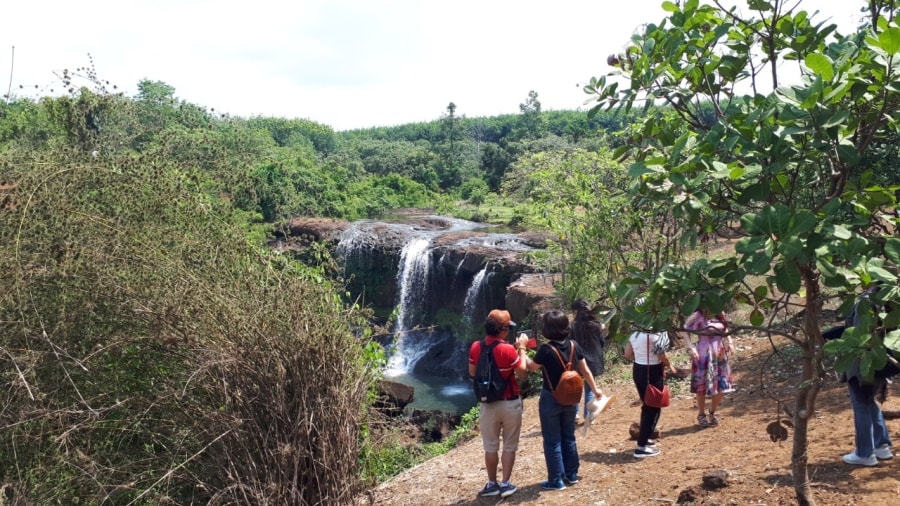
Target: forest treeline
(278, 168)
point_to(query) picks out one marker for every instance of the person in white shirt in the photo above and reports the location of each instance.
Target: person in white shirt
(648, 351)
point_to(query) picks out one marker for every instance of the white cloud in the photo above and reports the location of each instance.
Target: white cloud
(344, 63)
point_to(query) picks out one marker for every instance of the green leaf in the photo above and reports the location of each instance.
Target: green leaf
(892, 249)
(690, 304)
(839, 118)
(757, 263)
(760, 292)
(889, 40)
(840, 232)
(669, 6)
(756, 317)
(836, 347)
(748, 226)
(849, 154)
(787, 277)
(881, 274)
(802, 222)
(820, 64)
(756, 192)
(865, 364)
(638, 169)
(843, 362)
(774, 220)
(790, 247)
(892, 340)
(750, 244)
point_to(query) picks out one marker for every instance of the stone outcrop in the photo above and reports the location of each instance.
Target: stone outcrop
(370, 252)
(530, 295)
(393, 397)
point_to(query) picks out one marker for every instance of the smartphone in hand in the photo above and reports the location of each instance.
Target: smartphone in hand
(532, 341)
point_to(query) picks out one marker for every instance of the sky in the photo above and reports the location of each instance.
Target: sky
(343, 63)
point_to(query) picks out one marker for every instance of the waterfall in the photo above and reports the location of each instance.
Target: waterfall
(412, 280)
(472, 296)
(433, 275)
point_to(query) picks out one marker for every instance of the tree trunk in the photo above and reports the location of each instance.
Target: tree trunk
(799, 457)
(813, 354)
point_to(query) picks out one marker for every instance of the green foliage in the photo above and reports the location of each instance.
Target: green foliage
(290, 132)
(577, 196)
(785, 171)
(474, 190)
(762, 161)
(151, 347)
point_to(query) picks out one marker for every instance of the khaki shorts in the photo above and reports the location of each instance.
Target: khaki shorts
(501, 417)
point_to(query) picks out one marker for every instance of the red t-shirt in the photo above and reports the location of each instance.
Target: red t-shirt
(505, 356)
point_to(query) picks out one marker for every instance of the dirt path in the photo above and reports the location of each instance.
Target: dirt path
(758, 469)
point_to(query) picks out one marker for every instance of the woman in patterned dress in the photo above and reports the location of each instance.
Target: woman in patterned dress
(711, 373)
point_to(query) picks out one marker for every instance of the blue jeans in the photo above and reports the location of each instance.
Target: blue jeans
(868, 420)
(558, 431)
(588, 397)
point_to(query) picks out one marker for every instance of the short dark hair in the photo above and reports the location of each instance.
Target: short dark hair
(580, 305)
(555, 325)
(493, 328)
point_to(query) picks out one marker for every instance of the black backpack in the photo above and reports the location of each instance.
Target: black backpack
(488, 383)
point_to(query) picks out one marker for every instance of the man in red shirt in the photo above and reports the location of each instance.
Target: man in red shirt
(503, 417)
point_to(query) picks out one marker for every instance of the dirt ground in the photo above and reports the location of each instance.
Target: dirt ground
(758, 470)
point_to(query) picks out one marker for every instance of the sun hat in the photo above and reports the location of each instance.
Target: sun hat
(501, 317)
(595, 407)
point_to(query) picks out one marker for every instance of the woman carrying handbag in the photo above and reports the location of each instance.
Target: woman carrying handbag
(648, 351)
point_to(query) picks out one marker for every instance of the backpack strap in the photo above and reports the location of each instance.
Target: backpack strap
(566, 366)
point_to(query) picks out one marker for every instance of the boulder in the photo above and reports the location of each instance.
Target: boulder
(715, 479)
(434, 425)
(530, 295)
(393, 397)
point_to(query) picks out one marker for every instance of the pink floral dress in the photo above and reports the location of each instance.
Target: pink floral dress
(711, 373)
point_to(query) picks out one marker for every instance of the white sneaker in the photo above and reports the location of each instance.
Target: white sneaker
(883, 452)
(856, 460)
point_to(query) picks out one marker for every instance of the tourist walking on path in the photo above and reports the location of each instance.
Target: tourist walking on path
(711, 372)
(500, 419)
(872, 438)
(590, 334)
(557, 420)
(648, 351)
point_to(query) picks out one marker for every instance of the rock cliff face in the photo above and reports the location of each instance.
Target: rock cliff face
(371, 253)
(438, 271)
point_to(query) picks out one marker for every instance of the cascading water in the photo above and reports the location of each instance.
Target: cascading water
(412, 279)
(472, 296)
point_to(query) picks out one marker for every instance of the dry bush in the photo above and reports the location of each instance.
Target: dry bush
(153, 356)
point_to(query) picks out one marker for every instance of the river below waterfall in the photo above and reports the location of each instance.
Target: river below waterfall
(438, 393)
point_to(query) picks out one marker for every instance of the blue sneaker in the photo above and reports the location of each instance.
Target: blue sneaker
(507, 490)
(572, 479)
(553, 485)
(490, 489)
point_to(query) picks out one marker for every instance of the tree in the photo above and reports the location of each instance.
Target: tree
(788, 172)
(156, 92)
(577, 196)
(533, 124)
